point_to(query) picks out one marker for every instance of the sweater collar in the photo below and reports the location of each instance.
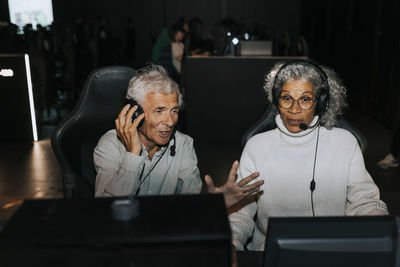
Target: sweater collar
(302, 137)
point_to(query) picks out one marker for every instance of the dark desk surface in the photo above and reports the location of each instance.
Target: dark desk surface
(44, 232)
(250, 258)
(86, 222)
(169, 231)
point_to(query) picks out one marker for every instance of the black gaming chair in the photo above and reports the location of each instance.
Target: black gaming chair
(75, 138)
(267, 122)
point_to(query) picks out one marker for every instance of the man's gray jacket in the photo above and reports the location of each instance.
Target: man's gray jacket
(121, 173)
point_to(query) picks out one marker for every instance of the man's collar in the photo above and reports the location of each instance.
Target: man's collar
(160, 149)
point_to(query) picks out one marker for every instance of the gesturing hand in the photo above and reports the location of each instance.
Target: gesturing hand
(127, 130)
(234, 192)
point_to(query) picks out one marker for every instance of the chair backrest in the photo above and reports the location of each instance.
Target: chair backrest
(267, 122)
(75, 138)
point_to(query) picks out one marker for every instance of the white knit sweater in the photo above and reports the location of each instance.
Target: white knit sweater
(285, 163)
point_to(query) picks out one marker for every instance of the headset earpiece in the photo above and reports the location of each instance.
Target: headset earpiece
(322, 99)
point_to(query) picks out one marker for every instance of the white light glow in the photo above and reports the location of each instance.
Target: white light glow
(228, 33)
(31, 102)
(235, 41)
(34, 12)
(246, 36)
(6, 72)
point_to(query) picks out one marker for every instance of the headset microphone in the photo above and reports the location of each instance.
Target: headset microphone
(304, 126)
(173, 148)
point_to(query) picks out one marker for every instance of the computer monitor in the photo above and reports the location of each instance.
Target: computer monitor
(332, 241)
(36, 12)
(256, 48)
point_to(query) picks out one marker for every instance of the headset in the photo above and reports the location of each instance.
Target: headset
(323, 92)
(137, 112)
(322, 106)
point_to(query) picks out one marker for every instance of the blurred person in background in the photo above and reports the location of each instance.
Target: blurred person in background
(177, 33)
(391, 160)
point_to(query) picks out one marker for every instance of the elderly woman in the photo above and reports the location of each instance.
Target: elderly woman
(309, 167)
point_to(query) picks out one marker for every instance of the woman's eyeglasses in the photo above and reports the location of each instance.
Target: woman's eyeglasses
(304, 102)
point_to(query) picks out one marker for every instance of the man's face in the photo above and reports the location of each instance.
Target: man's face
(161, 115)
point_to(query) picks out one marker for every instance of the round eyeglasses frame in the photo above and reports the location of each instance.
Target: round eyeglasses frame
(299, 102)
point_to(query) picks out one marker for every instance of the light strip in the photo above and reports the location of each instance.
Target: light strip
(31, 102)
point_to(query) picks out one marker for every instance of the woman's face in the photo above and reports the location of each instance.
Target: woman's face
(294, 116)
(179, 36)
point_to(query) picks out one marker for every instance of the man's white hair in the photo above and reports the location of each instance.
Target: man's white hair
(151, 79)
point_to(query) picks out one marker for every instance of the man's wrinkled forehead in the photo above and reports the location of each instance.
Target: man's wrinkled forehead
(161, 100)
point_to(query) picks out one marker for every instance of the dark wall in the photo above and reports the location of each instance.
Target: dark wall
(116, 13)
(361, 41)
(151, 16)
(4, 16)
(283, 15)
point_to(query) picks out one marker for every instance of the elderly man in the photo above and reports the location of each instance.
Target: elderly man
(145, 155)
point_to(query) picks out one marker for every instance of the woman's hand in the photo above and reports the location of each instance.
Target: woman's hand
(234, 192)
(234, 256)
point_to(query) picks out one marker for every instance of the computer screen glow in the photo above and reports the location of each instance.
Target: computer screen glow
(35, 12)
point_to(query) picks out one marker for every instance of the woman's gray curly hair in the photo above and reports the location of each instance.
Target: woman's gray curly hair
(299, 71)
(152, 78)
